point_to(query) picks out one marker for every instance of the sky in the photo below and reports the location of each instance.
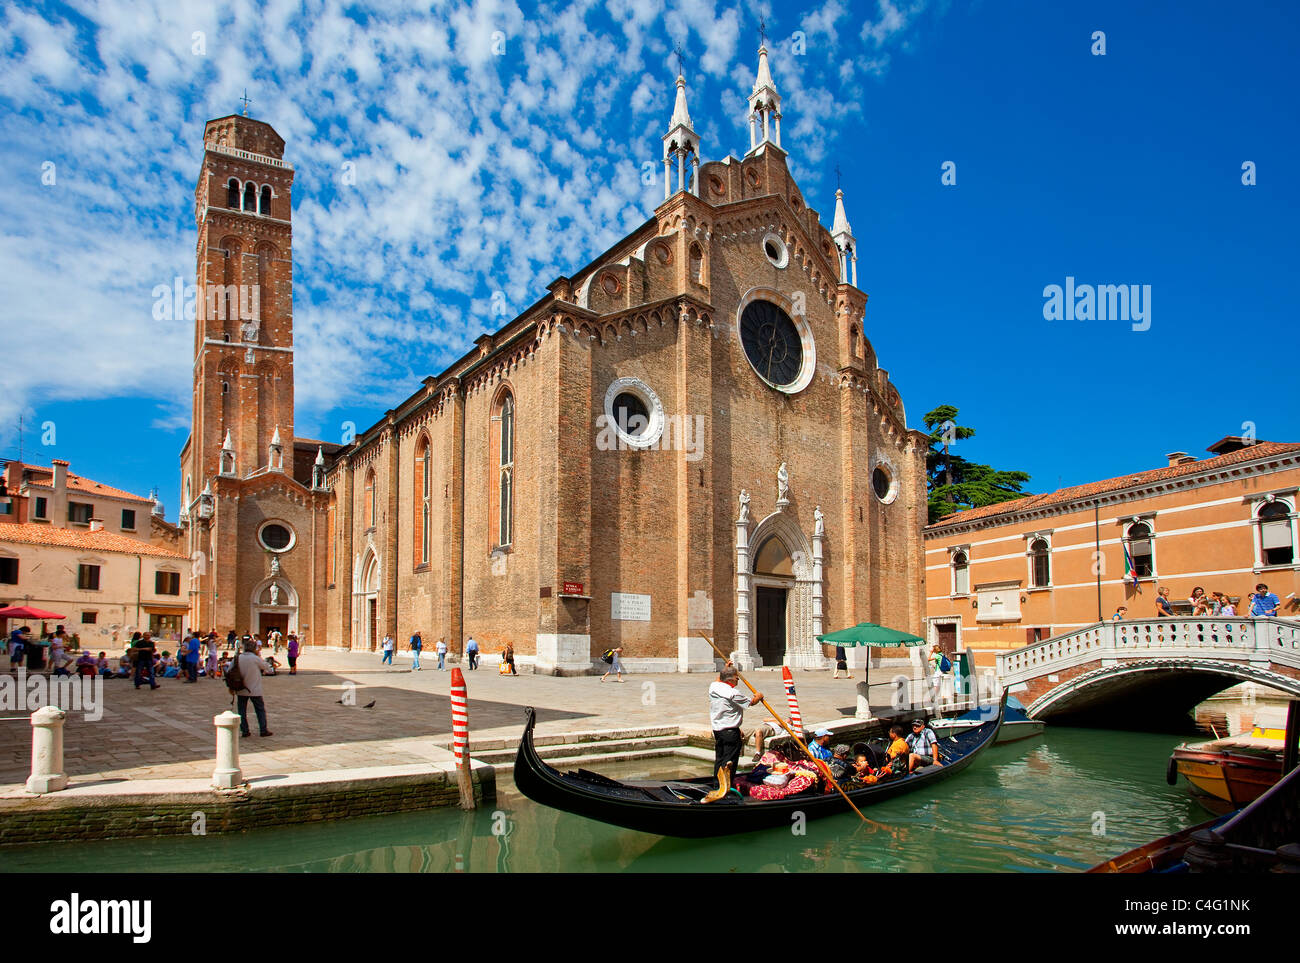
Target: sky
(987, 151)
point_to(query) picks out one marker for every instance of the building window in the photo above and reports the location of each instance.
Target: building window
(8, 571)
(167, 583)
(275, 537)
(503, 452)
(89, 618)
(1276, 538)
(960, 574)
(1140, 546)
(423, 495)
(232, 194)
(6, 506)
(128, 519)
(776, 251)
(41, 509)
(80, 513)
(634, 412)
(1040, 566)
(88, 577)
(250, 198)
(265, 206)
(330, 535)
(369, 510)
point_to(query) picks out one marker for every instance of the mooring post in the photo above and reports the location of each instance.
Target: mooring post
(227, 775)
(47, 751)
(460, 736)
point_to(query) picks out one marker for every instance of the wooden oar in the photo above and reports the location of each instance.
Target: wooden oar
(799, 742)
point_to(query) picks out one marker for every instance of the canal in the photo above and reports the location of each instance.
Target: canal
(1058, 803)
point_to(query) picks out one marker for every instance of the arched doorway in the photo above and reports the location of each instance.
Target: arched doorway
(773, 580)
(274, 605)
(365, 619)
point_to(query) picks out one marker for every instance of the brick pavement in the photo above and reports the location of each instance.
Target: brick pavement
(168, 732)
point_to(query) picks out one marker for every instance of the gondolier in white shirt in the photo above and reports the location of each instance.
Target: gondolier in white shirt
(726, 712)
(924, 745)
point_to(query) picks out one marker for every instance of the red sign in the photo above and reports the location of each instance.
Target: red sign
(573, 588)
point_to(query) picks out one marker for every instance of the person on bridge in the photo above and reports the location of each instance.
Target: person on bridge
(1163, 609)
(1120, 613)
(1263, 602)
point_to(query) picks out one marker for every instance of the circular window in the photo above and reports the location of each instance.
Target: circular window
(752, 177)
(716, 185)
(664, 253)
(276, 537)
(634, 413)
(882, 483)
(610, 283)
(775, 250)
(778, 348)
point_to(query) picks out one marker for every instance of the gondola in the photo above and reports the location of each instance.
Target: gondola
(673, 808)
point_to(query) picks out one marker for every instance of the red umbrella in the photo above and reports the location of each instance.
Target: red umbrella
(27, 612)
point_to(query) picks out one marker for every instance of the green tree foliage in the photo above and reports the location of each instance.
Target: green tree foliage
(956, 484)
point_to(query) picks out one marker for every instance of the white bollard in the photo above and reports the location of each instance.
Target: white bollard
(227, 775)
(863, 710)
(47, 751)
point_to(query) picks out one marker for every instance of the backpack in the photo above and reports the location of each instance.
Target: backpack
(234, 678)
(608, 656)
(945, 665)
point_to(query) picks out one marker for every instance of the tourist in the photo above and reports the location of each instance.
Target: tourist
(124, 665)
(34, 649)
(170, 666)
(896, 753)
(471, 652)
(102, 666)
(1163, 609)
(222, 664)
(442, 652)
(1226, 608)
(417, 644)
(819, 745)
(940, 667)
(615, 664)
(1263, 602)
(863, 772)
(17, 645)
(1120, 614)
(841, 663)
(275, 641)
(293, 654)
(86, 664)
(923, 747)
(57, 650)
(142, 653)
(508, 658)
(211, 665)
(271, 665)
(841, 765)
(231, 640)
(726, 712)
(388, 647)
(251, 668)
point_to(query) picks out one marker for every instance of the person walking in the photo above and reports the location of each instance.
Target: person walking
(442, 652)
(727, 708)
(841, 663)
(471, 652)
(294, 649)
(192, 658)
(211, 666)
(417, 644)
(142, 652)
(615, 664)
(389, 646)
(508, 657)
(17, 645)
(251, 666)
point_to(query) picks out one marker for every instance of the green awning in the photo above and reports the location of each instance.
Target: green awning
(868, 633)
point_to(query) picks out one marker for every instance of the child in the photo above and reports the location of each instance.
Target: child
(862, 771)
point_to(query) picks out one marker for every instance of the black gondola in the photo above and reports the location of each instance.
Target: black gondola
(673, 808)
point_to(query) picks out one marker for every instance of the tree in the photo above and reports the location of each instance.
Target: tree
(956, 484)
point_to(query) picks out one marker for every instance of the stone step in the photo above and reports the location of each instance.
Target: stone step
(595, 749)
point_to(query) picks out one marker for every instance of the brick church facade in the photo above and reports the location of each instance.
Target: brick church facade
(690, 436)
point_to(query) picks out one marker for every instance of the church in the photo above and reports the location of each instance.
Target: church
(689, 437)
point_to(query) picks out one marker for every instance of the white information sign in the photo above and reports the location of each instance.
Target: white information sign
(629, 608)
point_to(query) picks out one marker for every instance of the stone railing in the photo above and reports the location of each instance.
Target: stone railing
(1258, 640)
(248, 155)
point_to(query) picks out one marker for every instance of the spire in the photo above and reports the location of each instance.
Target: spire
(845, 243)
(227, 445)
(681, 142)
(320, 456)
(764, 106)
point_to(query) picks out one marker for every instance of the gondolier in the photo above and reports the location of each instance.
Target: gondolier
(726, 712)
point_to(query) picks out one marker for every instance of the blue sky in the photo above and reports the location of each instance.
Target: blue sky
(480, 173)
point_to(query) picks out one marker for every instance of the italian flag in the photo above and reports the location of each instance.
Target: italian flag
(1129, 571)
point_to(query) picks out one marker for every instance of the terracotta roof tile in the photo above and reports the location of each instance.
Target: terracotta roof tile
(82, 484)
(1062, 496)
(33, 533)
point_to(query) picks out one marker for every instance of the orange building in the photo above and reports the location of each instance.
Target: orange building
(1007, 575)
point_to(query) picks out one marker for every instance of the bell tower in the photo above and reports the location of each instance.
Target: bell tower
(243, 328)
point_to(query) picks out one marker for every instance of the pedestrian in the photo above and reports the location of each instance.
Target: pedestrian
(231, 640)
(417, 644)
(17, 645)
(191, 651)
(211, 667)
(142, 653)
(471, 652)
(442, 652)
(293, 654)
(726, 713)
(251, 666)
(615, 664)
(841, 663)
(940, 666)
(1263, 602)
(508, 657)
(389, 646)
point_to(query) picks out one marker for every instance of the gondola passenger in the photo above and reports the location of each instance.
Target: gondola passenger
(923, 747)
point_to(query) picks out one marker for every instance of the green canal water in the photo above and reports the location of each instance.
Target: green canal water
(1058, 803)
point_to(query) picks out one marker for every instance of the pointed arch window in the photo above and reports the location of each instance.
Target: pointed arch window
(1040, 563)
(1139, 540)
(232, 193)
(250, 198)
(264, 205)
(423, 508)
(369, 508)
(1277, 533)
(503, 476)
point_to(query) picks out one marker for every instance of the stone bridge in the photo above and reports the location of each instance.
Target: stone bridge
(1149, 673)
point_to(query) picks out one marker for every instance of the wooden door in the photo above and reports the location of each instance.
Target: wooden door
(374, 623)
(769, 624)
(946, 636)
(270, 621)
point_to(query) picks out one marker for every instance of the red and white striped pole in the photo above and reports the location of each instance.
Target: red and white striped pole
(460, 736)
(796, 721)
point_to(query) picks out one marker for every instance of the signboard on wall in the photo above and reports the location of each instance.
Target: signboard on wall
(572, 588)
(629, 608)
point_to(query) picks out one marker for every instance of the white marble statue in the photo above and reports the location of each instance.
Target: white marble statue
(819, 521)
(275, 564)
(275, 593)
(248, 330)
(782, 484)
(744, 506)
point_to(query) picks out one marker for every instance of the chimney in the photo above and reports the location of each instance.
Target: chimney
(60, 480)
(1176, 458)
(96, 524)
